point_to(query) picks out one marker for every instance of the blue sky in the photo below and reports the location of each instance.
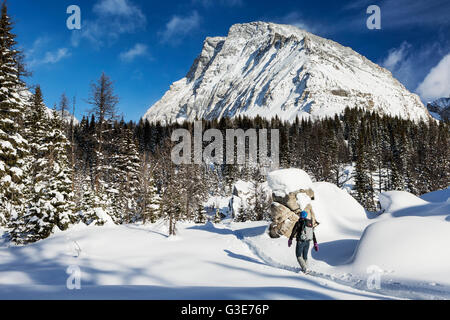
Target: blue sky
(144, 46)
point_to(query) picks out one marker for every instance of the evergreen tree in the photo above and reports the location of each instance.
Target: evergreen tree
(124, 185)
(149, 199)
(50, 198)
(201, 217)
(363, 179)
(91, 209)
(13, 146)
(259, 201)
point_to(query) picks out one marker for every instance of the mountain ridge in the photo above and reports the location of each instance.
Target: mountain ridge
(266, 69)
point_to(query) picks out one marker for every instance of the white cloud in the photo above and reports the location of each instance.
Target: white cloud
(437, 83)
(50, 57)
(396, 56)
(296, 19)
(54, 57)
(114, 18)
(410, 64)
(117, 7)
(38, 44)
(139, 50)
(178, 27)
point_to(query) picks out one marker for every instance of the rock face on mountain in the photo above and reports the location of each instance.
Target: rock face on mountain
(272, 70)
(440, 109)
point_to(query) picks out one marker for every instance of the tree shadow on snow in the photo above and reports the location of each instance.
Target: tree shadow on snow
(427, 210)
(210, 227)
(242, 257)
(251, 232)
(240, 233)
(162, 293)
(32, 262)
(335, 253)
(147, 230)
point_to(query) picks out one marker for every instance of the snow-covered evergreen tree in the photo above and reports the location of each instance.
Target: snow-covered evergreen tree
(13, 146)
(124, 180)
(149, 200)
(49, 202)
(90, 209)
(201, 217)
(259, 199)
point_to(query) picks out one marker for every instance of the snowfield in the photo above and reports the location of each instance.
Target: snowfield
(140, 262)
(405, 248)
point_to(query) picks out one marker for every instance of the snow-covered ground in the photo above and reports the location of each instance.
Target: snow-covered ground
(406, 248)
(141, 262)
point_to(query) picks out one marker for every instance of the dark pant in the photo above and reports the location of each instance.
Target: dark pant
(302, 254)
(302, 249)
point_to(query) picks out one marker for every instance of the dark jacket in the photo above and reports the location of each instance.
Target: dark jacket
(298, 228)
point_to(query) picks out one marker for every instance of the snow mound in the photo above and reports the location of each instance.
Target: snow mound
(282, 182)
(408, 247)
(392, 201)
(339, 214)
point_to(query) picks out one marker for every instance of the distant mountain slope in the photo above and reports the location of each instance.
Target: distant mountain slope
(440, 108)
(268, 69)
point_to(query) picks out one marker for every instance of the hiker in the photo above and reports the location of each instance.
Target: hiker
(304, 233)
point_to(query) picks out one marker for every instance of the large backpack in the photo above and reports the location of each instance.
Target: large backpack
(307, 231)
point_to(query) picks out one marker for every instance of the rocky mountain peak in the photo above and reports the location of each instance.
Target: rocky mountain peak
(269, 69)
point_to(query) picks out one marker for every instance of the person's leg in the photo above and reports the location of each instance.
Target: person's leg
(305, 253)
(299, 251)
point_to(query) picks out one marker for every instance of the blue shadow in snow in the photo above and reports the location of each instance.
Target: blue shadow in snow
(210, 227)
(427, 210)
(210, 293)
(242, 257)
(240, 233)
(335, 253)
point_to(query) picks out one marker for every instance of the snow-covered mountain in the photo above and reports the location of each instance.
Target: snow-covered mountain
(440, 108)
(269, 69)
(67, 115)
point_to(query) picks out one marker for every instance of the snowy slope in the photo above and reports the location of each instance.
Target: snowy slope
(136, 262)
(406, 245)
(240, 261)
(268, 69)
